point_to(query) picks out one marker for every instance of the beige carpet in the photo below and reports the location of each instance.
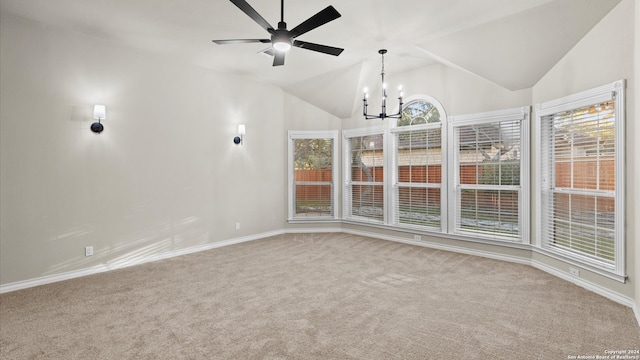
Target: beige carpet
(321, 296)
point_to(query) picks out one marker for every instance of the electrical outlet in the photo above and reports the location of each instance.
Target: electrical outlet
(575, 272)
(88, 251)
(237, 226)
(417, 238)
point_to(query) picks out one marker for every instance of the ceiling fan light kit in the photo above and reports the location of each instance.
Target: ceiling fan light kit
(282, 39)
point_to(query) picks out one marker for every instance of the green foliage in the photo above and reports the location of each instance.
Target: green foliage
(313, 154)
(500, 173)
(419, 112)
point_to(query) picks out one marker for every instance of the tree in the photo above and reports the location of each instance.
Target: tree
(419, 112)
(313, 154)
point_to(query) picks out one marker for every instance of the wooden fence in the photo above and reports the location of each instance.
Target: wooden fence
(587, 174)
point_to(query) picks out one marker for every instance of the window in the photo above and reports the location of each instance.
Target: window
(423, 110)
(312, 175)
(464, 175)
(489, 194)
(581, 143)
(364, 197)
(417, 145)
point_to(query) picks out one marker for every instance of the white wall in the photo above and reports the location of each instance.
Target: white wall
(300, 115)
(164, 175)
(458, 91)
(603, 56)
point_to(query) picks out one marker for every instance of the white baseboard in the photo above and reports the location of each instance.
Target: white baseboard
(602, 291)
(611, 295)
(48, 279)
(313, 230)
(452, 248)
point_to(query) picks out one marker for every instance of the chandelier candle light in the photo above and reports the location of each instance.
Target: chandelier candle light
(383, 114)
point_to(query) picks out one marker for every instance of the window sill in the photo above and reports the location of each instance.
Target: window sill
(580, 263)
(494, 242)
(448, 236)
(313, 220)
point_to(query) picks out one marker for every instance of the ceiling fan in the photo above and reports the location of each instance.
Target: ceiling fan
(282, 39)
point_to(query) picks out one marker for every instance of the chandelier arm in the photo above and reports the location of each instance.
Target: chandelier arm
(383, 114)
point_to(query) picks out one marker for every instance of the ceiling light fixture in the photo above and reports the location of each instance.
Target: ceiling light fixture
(383, 114)
(281, 39)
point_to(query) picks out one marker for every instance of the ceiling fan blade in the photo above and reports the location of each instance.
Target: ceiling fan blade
(321, 18)
(278, 59)
(247, 9)
(319, 48)
(241, 41)
(270, 51)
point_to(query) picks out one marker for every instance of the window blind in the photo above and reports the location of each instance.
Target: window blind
(365, 189)
(578, 164)
(418, 172)
(488, 191)
(312, 175)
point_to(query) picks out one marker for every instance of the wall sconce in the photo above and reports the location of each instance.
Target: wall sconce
(100, 113)
(241, 131)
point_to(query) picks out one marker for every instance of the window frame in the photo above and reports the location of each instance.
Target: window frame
(312, 135)
(613, 91)
(390, 130)
(521, 114)
(347, 205)
(395, 184)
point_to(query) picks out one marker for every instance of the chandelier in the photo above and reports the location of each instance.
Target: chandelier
(383, 114)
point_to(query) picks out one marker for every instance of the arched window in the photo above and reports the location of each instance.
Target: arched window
(421, 109)
(464, 175)
(418, 193)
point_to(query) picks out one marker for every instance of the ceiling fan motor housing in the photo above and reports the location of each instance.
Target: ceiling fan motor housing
(281, 38)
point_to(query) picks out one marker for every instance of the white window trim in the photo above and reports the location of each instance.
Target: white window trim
(589, 97)
(393, 170)
(294, 134)
(521, 114)
(430, 99)
(346, 161)
(446, 124)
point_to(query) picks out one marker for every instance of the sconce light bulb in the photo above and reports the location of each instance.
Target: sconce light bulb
(99, 112)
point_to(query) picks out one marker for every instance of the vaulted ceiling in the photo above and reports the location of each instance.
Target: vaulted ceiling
(512, 43)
